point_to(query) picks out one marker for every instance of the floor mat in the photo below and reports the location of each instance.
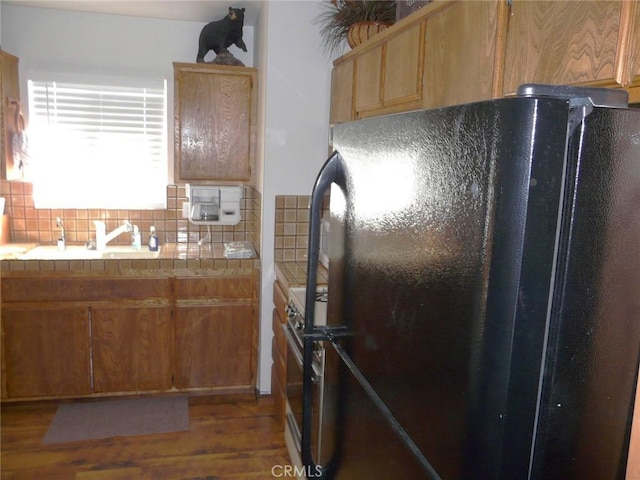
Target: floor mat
(113, 418)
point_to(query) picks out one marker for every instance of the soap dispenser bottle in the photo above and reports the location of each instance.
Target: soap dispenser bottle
(153, 240)
(137, 239)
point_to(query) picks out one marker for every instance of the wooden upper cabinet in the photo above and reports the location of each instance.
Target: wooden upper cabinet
(342, 93)
(215, 123)
(403, 66)
(369, 80)
(460, 53)
(452, 52)
(564, 42)
(9, 90)
(631, 75)
(388, 76)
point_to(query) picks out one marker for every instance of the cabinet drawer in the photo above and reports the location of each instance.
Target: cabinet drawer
(278, 334)
(280, 299)
(214, 287)
(76, 289)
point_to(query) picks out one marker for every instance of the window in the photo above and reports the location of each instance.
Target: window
(96, 146)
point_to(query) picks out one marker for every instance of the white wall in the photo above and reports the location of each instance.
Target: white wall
(298, 86)
(96, 46)
(294, 89)
(97, 43)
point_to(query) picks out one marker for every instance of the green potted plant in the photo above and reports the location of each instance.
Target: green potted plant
(354, 21)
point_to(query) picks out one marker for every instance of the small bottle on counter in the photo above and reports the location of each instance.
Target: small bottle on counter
(153, 240)
(137, 239)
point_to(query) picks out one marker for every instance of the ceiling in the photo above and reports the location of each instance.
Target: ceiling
(188, 10)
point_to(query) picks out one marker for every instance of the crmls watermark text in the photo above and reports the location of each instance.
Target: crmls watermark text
(291, 471)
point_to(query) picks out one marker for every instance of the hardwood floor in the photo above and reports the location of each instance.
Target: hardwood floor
(229, 438)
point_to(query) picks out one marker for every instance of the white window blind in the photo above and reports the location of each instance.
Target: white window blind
(96, 146)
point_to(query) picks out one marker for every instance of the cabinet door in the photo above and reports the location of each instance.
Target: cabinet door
(215, 123)
(214, 346)
(562, 43)
(46, 351)
(342, 93)
(131, 348)
(403, 66)
(460, 54)
(279, 351)
(369, 80)
(9, 89)
(633, 60)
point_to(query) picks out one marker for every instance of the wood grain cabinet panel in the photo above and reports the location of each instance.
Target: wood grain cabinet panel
(62, 288)
(132, 348)
(634, 43)
(225, 287)
(631, 75)
(97, 334)
(9, 89)
(342, 93)
(214, 346)
(48, 353)
(567, 42)
(215, 119)
(388, 76)
(368, 87)
(460, 54)
(279, 352)
(215, 332)
(403, 66)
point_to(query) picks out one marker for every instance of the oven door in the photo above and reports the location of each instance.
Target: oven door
(295, 394)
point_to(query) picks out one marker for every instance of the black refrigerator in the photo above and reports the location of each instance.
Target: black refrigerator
(484, 292)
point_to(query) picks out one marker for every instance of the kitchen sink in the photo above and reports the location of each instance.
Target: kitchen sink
(79, 252)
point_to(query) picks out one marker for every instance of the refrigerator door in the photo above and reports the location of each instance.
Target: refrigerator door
(428, 282)
(592, 360)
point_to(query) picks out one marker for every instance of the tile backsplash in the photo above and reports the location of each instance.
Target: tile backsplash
(292, 227)
(31, 225)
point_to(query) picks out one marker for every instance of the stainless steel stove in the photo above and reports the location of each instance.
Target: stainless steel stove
(294, 333)
(296, 310)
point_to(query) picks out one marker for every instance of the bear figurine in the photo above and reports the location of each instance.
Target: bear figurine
(221, 34)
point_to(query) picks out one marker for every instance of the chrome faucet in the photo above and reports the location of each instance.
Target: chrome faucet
(102, 237)
(62, 243)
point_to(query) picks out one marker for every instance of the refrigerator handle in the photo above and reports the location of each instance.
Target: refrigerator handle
(333, 171)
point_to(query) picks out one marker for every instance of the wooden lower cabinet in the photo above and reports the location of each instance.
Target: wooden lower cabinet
(48, 353)
(279, 352)
(214, 346)
(132, 348)
(95, 334)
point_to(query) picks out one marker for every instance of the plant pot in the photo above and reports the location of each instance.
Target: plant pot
(362, 31)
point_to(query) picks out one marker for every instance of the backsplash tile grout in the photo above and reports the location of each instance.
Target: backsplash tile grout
(292, 227)
(31, 225)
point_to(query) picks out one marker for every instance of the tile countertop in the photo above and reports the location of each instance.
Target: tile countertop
(172, 255)
(294, 274)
